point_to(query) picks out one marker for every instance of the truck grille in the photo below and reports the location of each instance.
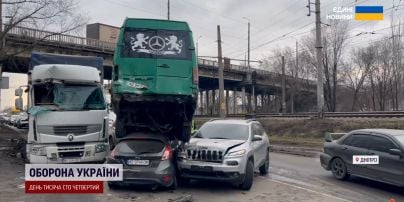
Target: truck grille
(205, 155)
(64, 130)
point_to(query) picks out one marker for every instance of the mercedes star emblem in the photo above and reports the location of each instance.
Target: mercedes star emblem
(70, 137)
(157, 43)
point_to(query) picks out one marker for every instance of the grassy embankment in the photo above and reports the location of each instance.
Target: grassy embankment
(310, 132)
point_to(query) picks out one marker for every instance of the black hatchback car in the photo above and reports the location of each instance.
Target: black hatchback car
(385, 144)
(147, 160)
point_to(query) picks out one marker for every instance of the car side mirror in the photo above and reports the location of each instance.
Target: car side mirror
(257, 138)
(395, 152)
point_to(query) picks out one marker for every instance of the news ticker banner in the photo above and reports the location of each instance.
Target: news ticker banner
(70, 178)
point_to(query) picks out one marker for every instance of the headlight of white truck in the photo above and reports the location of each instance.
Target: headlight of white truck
(100, 148)
(38, 150)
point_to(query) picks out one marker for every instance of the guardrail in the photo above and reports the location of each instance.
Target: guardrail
(375, 114)
(40, 35)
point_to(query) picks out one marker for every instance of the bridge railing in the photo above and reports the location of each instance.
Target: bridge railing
(245, 69)
(40, 35)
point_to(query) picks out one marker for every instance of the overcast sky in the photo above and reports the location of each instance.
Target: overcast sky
(274, 24)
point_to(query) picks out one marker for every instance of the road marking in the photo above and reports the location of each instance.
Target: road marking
(320, 193)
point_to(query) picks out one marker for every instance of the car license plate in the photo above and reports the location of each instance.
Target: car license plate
(138, 162)
(202, 168)
(71, 160)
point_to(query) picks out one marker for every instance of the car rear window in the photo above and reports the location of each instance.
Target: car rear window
(138, 147)
(223, 131)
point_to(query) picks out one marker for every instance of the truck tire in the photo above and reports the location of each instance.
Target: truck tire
(119, 128)
(249, 176)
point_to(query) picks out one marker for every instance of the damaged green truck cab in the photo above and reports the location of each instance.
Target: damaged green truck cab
(155, 81)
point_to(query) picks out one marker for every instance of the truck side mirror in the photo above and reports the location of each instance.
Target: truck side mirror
(18, 92)
(19, 104)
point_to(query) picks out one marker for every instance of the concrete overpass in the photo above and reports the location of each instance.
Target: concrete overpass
(262, 93)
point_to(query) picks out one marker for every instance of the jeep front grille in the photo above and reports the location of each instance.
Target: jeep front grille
(205, 155)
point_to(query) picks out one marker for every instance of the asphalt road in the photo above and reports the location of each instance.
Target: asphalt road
(291, 178)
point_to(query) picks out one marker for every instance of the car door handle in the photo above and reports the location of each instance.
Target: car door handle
(163, 66)
(344, 148)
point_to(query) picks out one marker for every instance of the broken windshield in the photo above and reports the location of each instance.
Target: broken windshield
(69, 97)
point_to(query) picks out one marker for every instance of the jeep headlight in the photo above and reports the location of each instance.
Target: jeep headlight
(236, 153)
(100, 148)
(38, 151)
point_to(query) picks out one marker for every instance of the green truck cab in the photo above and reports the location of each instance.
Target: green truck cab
(155, 78)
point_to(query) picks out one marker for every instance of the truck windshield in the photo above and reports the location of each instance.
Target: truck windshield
(69, 97)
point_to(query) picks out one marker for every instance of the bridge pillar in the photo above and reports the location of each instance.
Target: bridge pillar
(201, 101)
(234, 100)
(227, 101)
(255, 102)
(243, 101)
(249, 102)
(213, 102)
(263, 102)
(207, 102)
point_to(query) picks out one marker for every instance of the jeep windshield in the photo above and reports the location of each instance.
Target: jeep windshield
(223, 131)
(151, 43)
(69, 97)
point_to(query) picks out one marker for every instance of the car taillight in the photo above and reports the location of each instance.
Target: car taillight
(168, 153)
(195, 76)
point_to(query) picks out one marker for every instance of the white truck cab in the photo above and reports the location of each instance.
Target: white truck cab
(68, 115)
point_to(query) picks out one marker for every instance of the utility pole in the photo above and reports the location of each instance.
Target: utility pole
(168, 9)
(2, 37)
(292, 96)
(283, 86)
(222, 109)
(319, 53)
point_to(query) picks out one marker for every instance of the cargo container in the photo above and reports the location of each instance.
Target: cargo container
(102, 32)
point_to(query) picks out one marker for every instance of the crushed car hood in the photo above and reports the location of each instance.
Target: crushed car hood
(220, 144)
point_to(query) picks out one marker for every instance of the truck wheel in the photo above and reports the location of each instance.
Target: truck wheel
(111, 143)
(249, 176)
(119, 129)
(265, 167)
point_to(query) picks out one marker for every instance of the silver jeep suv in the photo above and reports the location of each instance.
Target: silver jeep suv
(226, 150)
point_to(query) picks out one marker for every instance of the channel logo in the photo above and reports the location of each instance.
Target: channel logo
(369, 13)
(365, 159)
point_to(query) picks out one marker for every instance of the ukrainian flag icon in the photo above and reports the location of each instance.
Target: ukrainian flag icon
(369, 13)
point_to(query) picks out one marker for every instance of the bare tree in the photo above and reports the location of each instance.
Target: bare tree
(356, 73)
(334, 38)
(57, 16)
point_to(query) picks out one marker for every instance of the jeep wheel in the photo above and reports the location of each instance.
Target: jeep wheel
(265, 167)
(249, 176)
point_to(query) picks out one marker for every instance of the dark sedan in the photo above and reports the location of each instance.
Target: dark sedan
(379, 155)
(147, 159)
